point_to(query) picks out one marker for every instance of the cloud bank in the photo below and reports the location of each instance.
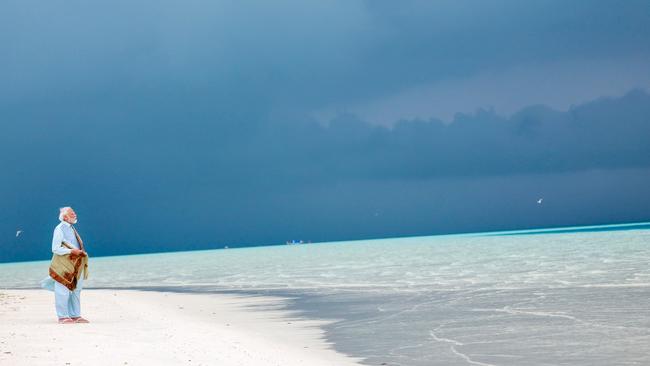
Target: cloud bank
(167, 176)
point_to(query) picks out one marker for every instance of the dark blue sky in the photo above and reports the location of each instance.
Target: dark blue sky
(172, 126)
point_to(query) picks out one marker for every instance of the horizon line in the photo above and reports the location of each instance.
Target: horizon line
(528, 231)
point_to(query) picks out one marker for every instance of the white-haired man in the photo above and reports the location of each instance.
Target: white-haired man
(67, 302)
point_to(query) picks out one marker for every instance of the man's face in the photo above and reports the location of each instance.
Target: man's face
(70, 217)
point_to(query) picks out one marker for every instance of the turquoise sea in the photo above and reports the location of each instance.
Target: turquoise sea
(567, 296)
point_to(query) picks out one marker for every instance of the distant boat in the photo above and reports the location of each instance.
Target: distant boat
(292, 242)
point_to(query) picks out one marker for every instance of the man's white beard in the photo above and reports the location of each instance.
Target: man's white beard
(75, 221)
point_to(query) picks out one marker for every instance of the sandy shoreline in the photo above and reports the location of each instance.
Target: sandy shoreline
(131, 327)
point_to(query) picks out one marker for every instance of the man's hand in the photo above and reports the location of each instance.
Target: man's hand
(76, 252)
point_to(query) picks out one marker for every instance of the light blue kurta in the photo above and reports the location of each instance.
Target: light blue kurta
(63, 232)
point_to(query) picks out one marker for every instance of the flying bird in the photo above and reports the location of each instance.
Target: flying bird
(539, 201)
(18, 232)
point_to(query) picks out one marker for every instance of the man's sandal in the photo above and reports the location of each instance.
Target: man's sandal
(66, 321)
(80, 320)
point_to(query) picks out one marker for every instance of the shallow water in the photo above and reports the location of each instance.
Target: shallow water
(563, 298)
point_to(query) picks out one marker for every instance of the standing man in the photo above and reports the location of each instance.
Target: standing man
(66, 241)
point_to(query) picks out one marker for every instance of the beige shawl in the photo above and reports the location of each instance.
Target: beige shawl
(66, 269)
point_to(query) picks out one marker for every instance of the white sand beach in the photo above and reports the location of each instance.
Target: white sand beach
(130, 327)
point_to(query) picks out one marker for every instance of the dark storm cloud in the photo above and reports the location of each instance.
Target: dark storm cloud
(297, 53)
(174, 126)
(140, 177)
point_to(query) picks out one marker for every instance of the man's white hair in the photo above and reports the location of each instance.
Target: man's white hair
(62, 212)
